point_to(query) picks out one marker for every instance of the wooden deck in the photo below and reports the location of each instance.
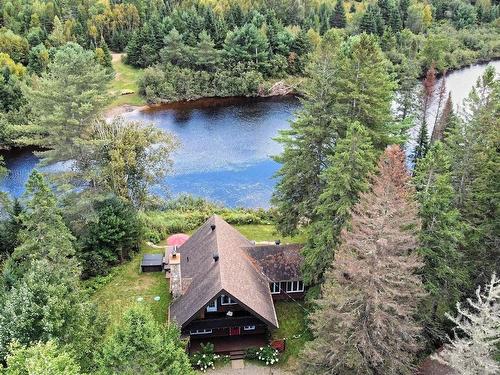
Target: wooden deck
(227, 344)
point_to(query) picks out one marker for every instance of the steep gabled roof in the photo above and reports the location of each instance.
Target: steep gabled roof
(234, 274)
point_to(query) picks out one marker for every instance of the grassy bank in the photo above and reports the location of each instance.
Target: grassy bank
(124, 88)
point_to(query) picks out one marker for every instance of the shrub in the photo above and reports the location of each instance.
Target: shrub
(206, 359)
(187, 213)
(267, 355)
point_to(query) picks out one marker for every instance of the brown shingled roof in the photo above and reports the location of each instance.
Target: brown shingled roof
(233, 274)
(277, 262)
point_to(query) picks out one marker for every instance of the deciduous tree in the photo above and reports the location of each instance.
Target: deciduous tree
(141, 345)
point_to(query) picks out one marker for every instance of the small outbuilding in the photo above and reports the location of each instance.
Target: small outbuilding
(152, 263)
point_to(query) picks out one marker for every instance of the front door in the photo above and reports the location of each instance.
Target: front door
(234, 331)
(212, 306)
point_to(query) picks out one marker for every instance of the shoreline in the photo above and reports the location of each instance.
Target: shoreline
(276, 90)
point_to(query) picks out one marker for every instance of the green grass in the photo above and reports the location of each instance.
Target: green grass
(126, 78)
(127, 283)
(293, 328)
(263, 232)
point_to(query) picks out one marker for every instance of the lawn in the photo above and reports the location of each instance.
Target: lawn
(263, 232)
(125, 80)
(293, 328)
(127, 284)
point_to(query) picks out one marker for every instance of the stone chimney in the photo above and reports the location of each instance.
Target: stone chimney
(174, 261)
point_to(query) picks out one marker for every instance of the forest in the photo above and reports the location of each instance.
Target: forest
(401, 230)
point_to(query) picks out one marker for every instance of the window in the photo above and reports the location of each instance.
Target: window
(200, 332)
(275, 288)
(248, 328)
(212, 306)
(226, 300)
(294, 286)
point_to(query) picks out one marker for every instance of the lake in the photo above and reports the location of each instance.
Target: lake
(226, 144)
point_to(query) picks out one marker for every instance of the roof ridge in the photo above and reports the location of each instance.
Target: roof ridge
(215, 217)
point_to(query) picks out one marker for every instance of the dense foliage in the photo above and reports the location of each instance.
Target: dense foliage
(377, 237)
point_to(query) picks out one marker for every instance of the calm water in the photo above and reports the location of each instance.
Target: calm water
(225, 144)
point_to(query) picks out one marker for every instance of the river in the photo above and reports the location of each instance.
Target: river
(226, 144)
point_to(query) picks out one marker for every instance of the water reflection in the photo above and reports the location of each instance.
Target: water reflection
(226, 144)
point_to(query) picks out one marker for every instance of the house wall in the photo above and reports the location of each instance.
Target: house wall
(283, 295)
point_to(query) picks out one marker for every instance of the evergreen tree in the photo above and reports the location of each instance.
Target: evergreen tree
(247, 45)
(141, 345)
(206, 56)
(44, 234)
(42, 298)
(473, 350)
(440, 238)
(346, 177)
(422, 144)
(9, 230)
(407, 93)
(385, 7)
(175, 51)
(403, 6)
(395, 21)
(365, 320)
(473, 144)
(348, 83)
(368, 21)
(338, 18)
(111, 238)
(64, 102)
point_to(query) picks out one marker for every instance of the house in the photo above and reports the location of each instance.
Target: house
(224, 286)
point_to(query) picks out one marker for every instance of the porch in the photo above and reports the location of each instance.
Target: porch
(225, 345)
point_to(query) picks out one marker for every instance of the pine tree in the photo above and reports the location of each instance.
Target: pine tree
(207, 57)
(175, 51)
(371, 292)
(441, 236)
(473, 144)
(344, 179)
(9, 229)
(395, 18)
(403, 6)
(338, 18)
(347, 84)
(44, 234)
(385, 9)
(247, 45)
(368, 21)
(65, 101)
(426, 100)
(472, 352)
(407, 93)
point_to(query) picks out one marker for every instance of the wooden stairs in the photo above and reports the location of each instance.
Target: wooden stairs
(237, 354)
